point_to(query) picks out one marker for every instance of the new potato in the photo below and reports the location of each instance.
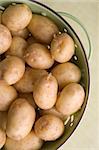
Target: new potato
(21, 117)
(49, 127)
(30, 142)
(70, 99)
(7, 95)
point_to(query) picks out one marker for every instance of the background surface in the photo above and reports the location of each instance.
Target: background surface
(86, 136)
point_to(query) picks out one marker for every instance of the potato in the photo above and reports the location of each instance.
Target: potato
(27, 82)
(53, 111)
(7, 95)
(49, 127)
(5, 39)
(2, 138)
(38, 56)
(16, 17)
(17, 47)
(31, 40)
(45, 92)
(62, 48)
(3, 120)
(42, 28)
(12, 69)
(70, 99)
(66, 73)
(1, 15)
(21, 117)
(22, 33)
(29, 98)
(30, 142)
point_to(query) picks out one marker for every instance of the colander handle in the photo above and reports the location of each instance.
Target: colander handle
(82, 26)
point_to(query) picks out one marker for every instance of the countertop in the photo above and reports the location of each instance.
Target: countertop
(86, 135)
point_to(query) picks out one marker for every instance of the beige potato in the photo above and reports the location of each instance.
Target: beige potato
(7, 95)
(38, 56)
(70, 99)
(17, 47)
(12, 69)
(5, 39)
(27, 82)
(1, 16)
(30, 142)
(53, 111)
(62, 48)
(21, 117)
(42, 28)
(2, 138)
(29, 98)
(45, 92)
(22, 33)
(17, 17)
(3, 120)
(49, 127)
(66, 73)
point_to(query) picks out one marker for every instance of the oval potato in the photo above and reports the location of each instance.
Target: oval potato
(30, 142)
(7, 95)
(16, 17)
(62, 48)
(42, 28)
(70, 99)
(38, 56)
(49, 127)
(66, 73)
(2, 138)
(21, 117)
(45, 92)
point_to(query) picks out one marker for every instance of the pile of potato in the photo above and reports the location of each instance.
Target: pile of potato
(39, 85)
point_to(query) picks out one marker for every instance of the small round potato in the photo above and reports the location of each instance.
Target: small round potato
(16, 17)
(2, 138)
(5, 39)
(42, 28)
(17, 47)
(45, 92)
(7, 95)
(21, 117)
(30, 142)
(62, 48)
(27, 82)
(22, 33)
(66, 73)
(53, 111)
(12, 69)
(29, 98)
(38, 56)
(1, 16)
(70, 99)
(49, 127)
(3, 120)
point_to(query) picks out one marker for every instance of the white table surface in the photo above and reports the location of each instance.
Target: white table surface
(86, 136)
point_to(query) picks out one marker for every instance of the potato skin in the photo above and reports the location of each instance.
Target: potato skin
(12, 69)
(24, 113)
(49, 127)
(45, 92)
(17, 47)
(16, 17)
(53, 111)
(66, 73)
(21, 33)
(5, 39)
(38, 56)
(27, 82)
(31, 40)
(7, 95)
(42, 28)
(62, 48)
(30, 142)
(70, 99)
(2, 138)
(3, 120)
(29, 98)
